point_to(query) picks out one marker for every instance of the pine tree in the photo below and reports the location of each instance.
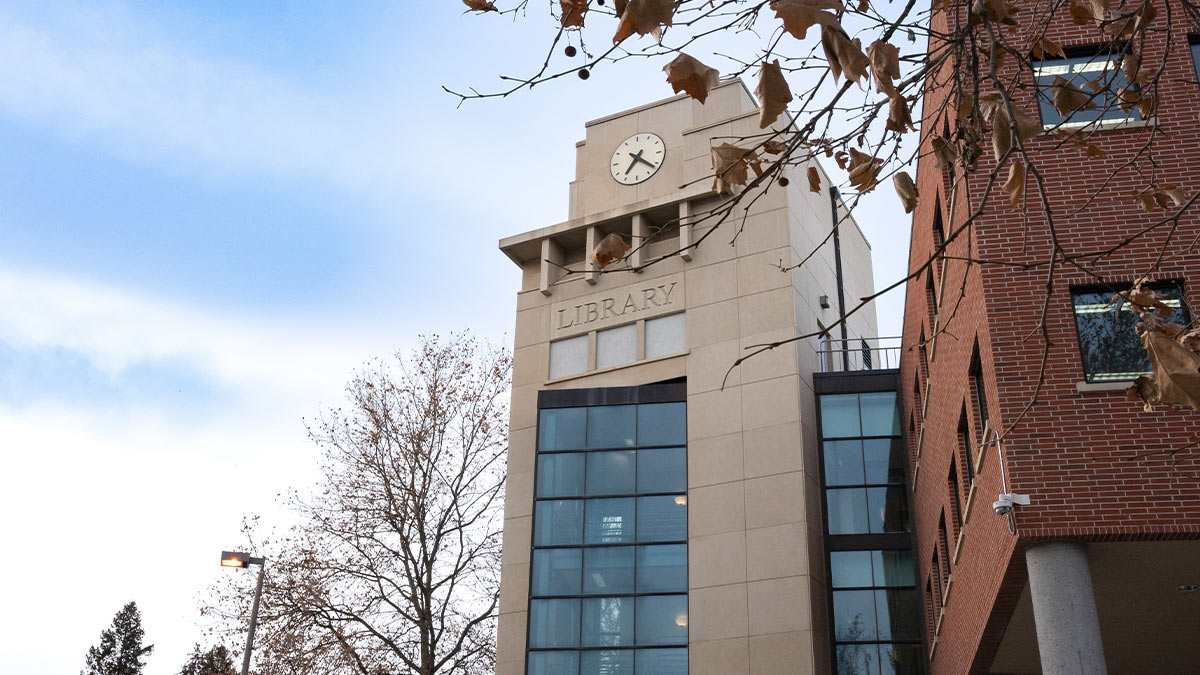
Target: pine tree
(215, 661)
(120, 650)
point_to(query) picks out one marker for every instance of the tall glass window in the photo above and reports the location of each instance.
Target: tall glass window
(608, 584)
(1109, 346)
(876, 608)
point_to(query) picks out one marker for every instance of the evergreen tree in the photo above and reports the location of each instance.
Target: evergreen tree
(120, 650)
(216, 661)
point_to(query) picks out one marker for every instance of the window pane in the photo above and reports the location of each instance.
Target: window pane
(893, 568)
(607, 622)
(857, 660)
(608, 570)
(662, 470)
(611, 426)
(561, 428)
(844, 462)
(568, 357)
(553, 663)
(662, 424)
(608, 662)
(879, 414)
(665, 336)
(885, 460)
(854, 615)
(898, 614)
(850, 569)
(556, 571)
(1101, 68)
(662, 569)
(560, 475)
(847, 511)
(1111, 350)
(662, 662)
(558, 523)
(662, 518)
(888, 509)
(839, 416)
(662, 620)
(616, 346)
(610, 473)
(609, 521)
(554, 623)
(900, 660)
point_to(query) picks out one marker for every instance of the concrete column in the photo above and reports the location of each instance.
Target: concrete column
(1064, 609)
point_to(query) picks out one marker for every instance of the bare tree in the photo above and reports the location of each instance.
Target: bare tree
(997, 113)
(395, 565)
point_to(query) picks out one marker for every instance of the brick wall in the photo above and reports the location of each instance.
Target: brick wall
(1069, 451)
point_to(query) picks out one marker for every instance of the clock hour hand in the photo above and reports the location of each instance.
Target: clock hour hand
(633, 163)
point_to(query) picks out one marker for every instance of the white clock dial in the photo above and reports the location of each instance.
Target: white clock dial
(637, 159)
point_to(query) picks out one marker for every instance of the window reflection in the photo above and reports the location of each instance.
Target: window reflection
(1110, 348)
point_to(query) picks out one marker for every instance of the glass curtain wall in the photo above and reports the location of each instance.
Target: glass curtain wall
(608, 582)
(876, 607)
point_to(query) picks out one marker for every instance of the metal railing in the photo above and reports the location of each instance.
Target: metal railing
(861, 353)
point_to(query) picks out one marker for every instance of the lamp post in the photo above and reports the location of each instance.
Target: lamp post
(243, 560)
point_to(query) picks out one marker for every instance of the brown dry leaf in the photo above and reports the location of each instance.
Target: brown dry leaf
(1131, 65)
(1081, 14)
(755, 162)
(730, 167)
(845, 56)
(907, 190)
(644, 16)
(1128, 99)
(774, 147)
(1081, 143)
(1093, 85)
(619, 7)
(1047, 47)
(773, 93)
(799, 15)
(944, 151)
(885, 65)
(610, 249)
(1014, 187)
(814, 179)
(899, 118)
(966, 104)
(1027, 127)
(864, 170)
(1175, 360)
(1067, 98)
(864, 5)
(1160, 198)
(480, 6)
(1143, 298)
(686, 73)
(841, 158)
(572, 12)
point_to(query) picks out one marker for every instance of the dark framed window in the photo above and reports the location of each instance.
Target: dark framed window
(943, 553)
(876, 605)
(1194, 42)
(978, 389)
(608, 575)
(1108, 345)
(952, 484)
(964, 445)
(1093, 70)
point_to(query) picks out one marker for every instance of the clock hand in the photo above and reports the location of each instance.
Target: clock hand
(643, 161)
(635, 160)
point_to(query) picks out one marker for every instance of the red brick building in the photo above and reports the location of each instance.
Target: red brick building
(1099, 571)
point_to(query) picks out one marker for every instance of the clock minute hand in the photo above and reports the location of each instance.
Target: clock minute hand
(643, 161)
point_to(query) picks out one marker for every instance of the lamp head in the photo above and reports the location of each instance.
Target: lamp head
(234, 559)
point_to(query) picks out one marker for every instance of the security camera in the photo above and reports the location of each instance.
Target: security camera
(1005, 502)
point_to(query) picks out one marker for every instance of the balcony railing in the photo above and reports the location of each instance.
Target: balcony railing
(854, 354)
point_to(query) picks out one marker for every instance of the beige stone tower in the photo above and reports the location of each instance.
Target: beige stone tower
(751, 596)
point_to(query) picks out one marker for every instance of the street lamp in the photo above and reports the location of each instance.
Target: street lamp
(237, 559)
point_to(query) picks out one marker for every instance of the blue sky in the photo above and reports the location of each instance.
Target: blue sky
(210, 215)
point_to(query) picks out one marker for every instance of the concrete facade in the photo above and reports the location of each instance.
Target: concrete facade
(756, 587)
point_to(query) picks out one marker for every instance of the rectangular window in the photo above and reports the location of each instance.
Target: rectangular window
(665, 336)
(608, 582)
(952, 485)
(865, 466)
(568, 357)
(978, 390)
(876, 611)
(1097, 74)
(943, 553)
(1194, 41)
(616, 346)
(964, 445)
(1110, 349)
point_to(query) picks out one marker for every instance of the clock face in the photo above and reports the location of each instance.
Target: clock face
(637, 159)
